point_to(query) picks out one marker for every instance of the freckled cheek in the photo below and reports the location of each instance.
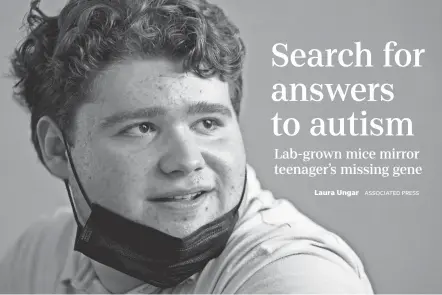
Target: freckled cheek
(227, 160)
(122, 177)
(226, 151)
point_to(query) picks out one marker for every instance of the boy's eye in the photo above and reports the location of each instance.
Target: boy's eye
(144, 128)
(139, 129)
(207, 125)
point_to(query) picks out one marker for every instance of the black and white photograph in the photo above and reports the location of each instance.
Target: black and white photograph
(220, 147)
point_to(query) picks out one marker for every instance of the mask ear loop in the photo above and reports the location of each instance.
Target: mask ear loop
(243, 190)
(77, 179)
(71, 200)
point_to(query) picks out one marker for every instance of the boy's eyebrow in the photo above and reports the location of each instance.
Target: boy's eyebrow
(204, 107)
(201, 107)
(120, 117)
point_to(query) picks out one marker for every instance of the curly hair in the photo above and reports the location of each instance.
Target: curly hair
(59, 57)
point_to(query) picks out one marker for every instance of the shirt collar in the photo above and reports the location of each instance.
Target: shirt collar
(78, 270)
(79, 273)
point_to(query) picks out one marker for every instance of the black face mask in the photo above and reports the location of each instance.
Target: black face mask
(145, 253)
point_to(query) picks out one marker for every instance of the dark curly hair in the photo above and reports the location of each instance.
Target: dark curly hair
(61, 54)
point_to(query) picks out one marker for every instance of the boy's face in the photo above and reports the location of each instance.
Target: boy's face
(153, 134)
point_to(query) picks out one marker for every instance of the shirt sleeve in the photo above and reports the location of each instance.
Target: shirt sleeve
(305, 274)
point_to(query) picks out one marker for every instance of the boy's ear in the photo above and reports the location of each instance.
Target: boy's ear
(52, 147)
